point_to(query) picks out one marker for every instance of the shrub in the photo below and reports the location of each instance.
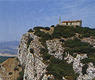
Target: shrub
(10, 73)
(63, 31)
(29, 41)
(45, 54)
(85, 31)
(19, 65)
(60, 68)
(38, 28)
(30, 30)
(84, 68)
(76, 46)
(16, 69)
(21, 74)
(52, 25)
(47, 28)
(75, 43)
(43, 35)
(91, 58)
(31, 50)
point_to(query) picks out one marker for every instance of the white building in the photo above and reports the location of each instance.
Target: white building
(72, 23)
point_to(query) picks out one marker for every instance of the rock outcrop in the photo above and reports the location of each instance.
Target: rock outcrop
(36, 67)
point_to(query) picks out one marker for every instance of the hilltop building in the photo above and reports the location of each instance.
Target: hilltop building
(74, 23)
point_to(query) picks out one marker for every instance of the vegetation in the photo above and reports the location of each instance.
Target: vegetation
(16, 69)
(66, 31)
(60, 68)
(45, 54)
(91, 58)
(84, 68)
(30, 30)
(76, 46)
(85, 31)
(43, 35)
(10, 73)
(93, 79)
(47, 28)
(31, 50)
(21, 74)
(29, 41)
(2, 58)
(62, 31)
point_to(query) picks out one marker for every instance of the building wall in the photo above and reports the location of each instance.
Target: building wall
(72, 23)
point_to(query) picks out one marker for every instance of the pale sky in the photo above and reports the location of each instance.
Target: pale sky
(17, 16)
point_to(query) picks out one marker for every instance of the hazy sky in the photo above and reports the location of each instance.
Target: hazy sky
(17, 16)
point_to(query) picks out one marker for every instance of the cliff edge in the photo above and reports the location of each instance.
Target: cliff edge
(58, 53)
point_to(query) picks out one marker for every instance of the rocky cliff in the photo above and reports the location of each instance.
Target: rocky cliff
(61, 55)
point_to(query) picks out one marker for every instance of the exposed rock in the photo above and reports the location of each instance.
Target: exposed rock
(55, 48)
(33, 62)
(36, 69)
(89, 40)
(47, 77)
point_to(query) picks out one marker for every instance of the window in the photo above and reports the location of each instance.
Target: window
(67, 23)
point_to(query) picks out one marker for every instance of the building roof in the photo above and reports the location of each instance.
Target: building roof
(71, 21)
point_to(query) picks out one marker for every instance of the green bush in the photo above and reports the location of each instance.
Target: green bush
(43, 35)
(76, 46)
(75, 43)
(21, 74)
(30, 30)
(66, 31)
(60, 68)
(31, 50)
(29, 41)
(47, 28)
(84, 68)
(37, 28)
(10, 73)
(45, 54)
(91, 58)
(63, 31)
(85, 31)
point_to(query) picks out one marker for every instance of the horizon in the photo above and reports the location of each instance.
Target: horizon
(17, 16)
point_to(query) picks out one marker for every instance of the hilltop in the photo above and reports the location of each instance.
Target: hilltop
(58, 53)
(53, 53)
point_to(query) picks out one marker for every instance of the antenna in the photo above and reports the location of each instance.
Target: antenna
(59, 20)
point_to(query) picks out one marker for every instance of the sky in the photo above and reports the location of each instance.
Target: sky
(17, 16)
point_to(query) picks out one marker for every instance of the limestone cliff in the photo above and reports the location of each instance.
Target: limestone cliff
(58, 56)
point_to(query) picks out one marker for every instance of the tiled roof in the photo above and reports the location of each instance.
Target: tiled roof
(72, 21)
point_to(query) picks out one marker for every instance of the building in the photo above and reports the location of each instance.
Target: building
(72, 23)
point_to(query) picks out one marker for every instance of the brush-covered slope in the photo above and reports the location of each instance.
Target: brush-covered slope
(58, 53)
(11, 69)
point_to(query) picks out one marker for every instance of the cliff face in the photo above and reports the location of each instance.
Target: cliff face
(51, 59)
(30, 57)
